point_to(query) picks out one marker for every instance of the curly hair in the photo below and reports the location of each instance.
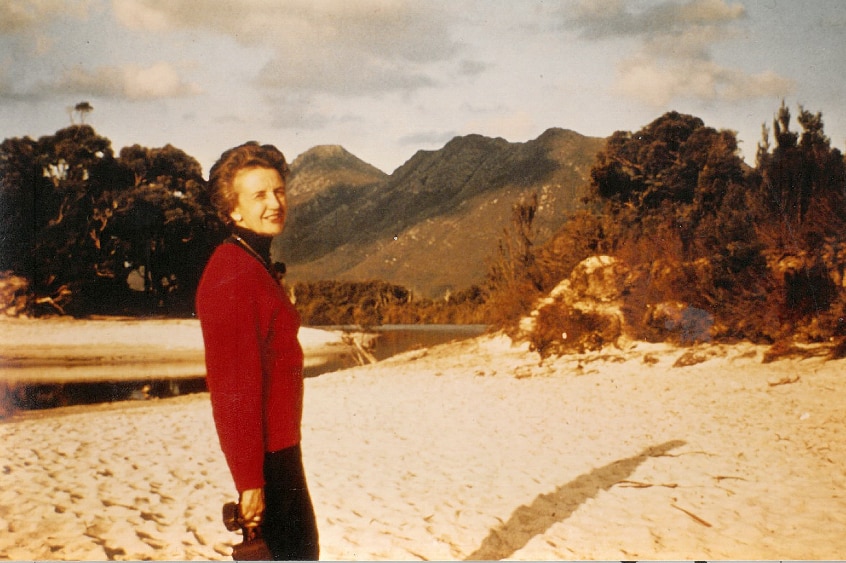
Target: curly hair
(222, 174)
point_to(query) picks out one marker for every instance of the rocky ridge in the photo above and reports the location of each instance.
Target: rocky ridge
(433, 224)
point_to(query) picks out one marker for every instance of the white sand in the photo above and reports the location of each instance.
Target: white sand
(469, 450)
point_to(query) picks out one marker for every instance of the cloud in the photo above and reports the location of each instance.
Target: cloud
(601, 19)
(22, 16)
(673, 59)
(27, 23)
(400, 29)
(657, 84)
(295, 111)
(6, 89)
(340, 76)
(426, 138)
(472, 68)
(130, 82)
(512, 125)
(141, 16)
(346, 48)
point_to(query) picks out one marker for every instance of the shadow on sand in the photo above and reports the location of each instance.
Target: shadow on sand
(526, 522)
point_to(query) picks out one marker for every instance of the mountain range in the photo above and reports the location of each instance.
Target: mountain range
(434, 224)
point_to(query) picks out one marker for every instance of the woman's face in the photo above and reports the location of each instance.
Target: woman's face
(261, 206)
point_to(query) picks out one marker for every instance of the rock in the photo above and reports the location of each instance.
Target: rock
(583, 312)
(675, 319)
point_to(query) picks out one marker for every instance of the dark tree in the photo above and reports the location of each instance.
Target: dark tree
(669, 177)
(77, 222)
(165, 224)
(673, 202)
(802, 180)
(83, 109)
(73, 199)
(801, 202)
(19, 184)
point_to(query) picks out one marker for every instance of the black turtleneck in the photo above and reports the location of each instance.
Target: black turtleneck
(259, 243)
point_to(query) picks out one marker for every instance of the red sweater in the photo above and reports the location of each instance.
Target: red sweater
(254, 362)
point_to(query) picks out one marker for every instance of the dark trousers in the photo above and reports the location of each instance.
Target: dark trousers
(289, 528)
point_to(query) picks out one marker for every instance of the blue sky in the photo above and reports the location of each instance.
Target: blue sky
(385, 78)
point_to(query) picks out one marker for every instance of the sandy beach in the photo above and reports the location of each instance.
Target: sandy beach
(470, 450)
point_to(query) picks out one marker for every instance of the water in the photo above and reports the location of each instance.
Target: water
(382, 342)
(391, 340)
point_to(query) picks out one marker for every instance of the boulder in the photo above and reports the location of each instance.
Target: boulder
(603, 300)
(583, 312)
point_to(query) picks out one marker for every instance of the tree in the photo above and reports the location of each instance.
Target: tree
(669, 177)
(83, 109)
(672, 202)
(77, 221)
(165, 224)
(19, 177)
(802, 179)
(801, 200)
(643, 169)
(76, 177)
(514, 277)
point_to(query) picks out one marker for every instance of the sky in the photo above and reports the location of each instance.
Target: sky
(386, 78)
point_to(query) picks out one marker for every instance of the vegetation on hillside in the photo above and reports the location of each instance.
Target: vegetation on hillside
(760, 250)
(377, 303)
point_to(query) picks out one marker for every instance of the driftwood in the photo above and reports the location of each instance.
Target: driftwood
(640, 485)
(692, 515)
(362, 350)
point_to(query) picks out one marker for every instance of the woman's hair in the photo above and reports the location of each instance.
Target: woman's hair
(222, 174)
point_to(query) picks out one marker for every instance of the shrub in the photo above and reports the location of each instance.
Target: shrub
(560, 330)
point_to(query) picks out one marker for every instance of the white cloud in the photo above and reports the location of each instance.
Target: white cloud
(6, 90)
(141, 16)
(767, 84)
(390, 28)
(297, 112)
(426, 138)
(28, 22)
(659, 82)
(157, 81)
(130, 82)
(326, 46)
(673, 58)
(693, 43)
(339, 75)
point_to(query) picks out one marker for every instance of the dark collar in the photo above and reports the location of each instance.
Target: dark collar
(259, 243)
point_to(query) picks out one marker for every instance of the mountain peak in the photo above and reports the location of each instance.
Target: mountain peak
(320, 152)
(325, 167)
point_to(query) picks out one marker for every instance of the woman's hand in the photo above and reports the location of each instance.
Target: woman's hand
(252, 507)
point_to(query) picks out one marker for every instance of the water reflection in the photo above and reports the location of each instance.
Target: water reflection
(378, 343)
(389, 340)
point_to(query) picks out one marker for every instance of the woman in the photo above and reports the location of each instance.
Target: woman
(254, 362)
